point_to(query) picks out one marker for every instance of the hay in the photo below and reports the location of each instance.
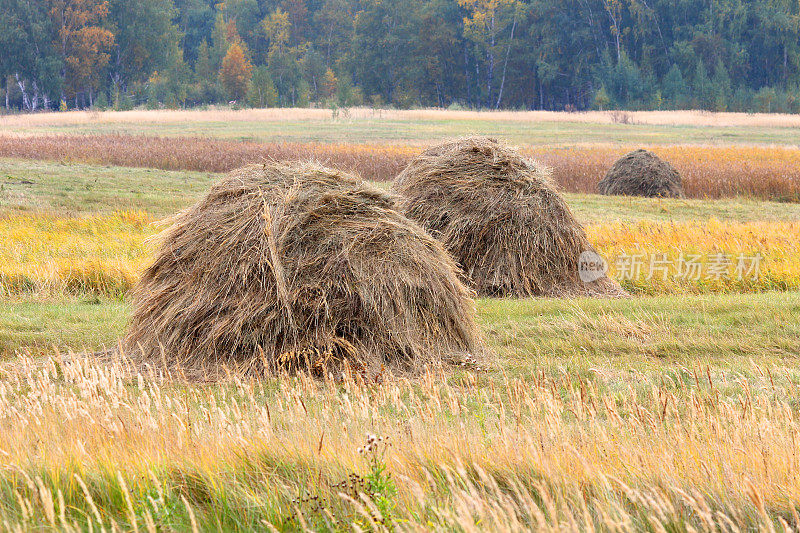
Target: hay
(501, 218)
(295, 266)
(642, 173)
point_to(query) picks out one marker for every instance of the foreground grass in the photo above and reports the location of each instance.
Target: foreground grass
(657, 414)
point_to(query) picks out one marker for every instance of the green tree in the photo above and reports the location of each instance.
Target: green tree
(675, 89)
(702, 88)
(765, 99)
(283, 59)
(29, 59)
(721, 82)
(601, 99)
(624, 80)
(203, 67)
(146, 39)
(261, 90)
(195, 21)
(334, 20)
(219, 38)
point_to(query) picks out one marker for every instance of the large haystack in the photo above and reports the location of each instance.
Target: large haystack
(501, 218)
(642, 173)
(295, 267)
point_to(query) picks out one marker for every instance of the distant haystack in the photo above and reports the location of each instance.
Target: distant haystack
(299, 267)
(642, 173)
(501, 218)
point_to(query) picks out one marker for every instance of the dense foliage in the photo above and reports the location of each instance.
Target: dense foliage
(741, 55)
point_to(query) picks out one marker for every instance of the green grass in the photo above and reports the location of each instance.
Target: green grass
(39, 326)
(378, 129)
(645, 334)
(528, 335)
(74, 189)
(77, 189)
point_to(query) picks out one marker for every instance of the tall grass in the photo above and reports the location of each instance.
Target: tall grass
(104, 446)
(771, 173)
(47, 255)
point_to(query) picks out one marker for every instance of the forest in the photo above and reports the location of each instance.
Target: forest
(716, 55)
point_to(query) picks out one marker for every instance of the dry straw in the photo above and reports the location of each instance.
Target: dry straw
(642, 173)
(295, 266)
(501, 218)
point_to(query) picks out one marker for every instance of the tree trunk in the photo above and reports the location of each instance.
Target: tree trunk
(614, 28)
(35, 99)
(785, 68)
(505, 64)
(541, 95)
(328, 51)
(490, 68)
(466, 76)
(21, 83)
(593, 26)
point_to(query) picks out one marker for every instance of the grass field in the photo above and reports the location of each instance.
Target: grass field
(361, 126)
(75, 189)
(674, 410)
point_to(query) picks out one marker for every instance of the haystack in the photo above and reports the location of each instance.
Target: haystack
(501, 218)
(642, 173)
(295, 266)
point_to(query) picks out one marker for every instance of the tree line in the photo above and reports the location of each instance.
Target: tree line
(739, 55)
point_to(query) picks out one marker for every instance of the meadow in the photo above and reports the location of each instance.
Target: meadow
(364, 125)
(673, 410)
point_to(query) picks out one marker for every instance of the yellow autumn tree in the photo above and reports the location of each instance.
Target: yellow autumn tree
(235, 72)
(83, 40)
(329, 83)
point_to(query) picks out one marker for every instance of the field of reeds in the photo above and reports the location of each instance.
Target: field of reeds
(771, 173)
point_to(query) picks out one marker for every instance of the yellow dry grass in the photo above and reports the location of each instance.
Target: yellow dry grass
(665, 253)
(50, 255)
(104, 254)
(223, 114)
(104, 446)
